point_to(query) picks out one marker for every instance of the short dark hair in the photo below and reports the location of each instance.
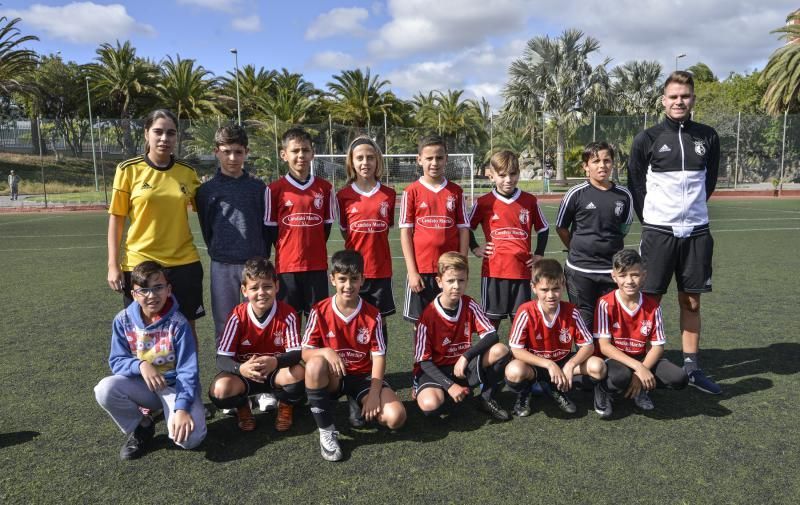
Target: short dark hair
(258, 267)
(593, 148)
(625, 259)
(680, 77)
(144, 270)
(547, 269)
(430, 140)
(231, 134)
(348, 262)
(295, 133)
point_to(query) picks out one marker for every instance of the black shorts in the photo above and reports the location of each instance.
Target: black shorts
(500, 298)
(378, 292)
(474, 376)
(255, 388)
(355, 386)
(542, 375)
(302, 290)
(416, 302)
(187, 286)
(584, 288)
(688, 258)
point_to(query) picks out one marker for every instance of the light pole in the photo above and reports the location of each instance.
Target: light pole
(677, 57)
(91, 133)
(238, 104)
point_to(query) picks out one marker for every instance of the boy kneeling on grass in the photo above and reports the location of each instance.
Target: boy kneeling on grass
(259, 350)
(541, 340)
(445, 361)
(630, 331)
(344, 351)
(154, 361)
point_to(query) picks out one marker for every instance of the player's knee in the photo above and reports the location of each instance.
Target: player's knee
(596, 367)
(498, 352)
(429, 404)
(689, 302)
(104, 391)
(298, 372)
(394, 415)
(316, 368)
(516, 371)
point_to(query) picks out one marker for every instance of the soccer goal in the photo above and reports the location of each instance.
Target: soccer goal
(400, 170)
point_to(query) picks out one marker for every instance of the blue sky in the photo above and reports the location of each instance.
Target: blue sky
(418, 45)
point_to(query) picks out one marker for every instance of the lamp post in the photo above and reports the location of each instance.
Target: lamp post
(238, 104)
(677, 57)
(91, 133)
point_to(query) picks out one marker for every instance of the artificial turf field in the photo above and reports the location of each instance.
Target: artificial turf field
(58, 446)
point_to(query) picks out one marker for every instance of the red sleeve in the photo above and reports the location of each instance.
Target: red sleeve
(229, 339)
(601, 327)
(292, 331)
(461, 211)
(330, 206)
(312, 338)
(539, 221)
(584, 336)
(422, 343)
(518, 336)
(392, 200)
(407, 209)
(271, 207)
(342, 210)
(476, 216)
(378, 346)
(481, 324)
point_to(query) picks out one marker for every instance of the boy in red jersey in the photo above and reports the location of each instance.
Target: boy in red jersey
(508, 217)
(344, 352)
(300, 208)
(259, 350)
(541, 340)
(445, 361)
(433, 220)
(629, 328)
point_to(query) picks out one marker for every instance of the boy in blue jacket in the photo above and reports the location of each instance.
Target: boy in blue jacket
(154, 361)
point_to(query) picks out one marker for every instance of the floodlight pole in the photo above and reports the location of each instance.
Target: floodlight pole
(91, 133)
(238, 103)
(678, 56)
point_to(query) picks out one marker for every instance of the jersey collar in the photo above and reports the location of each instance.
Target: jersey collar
(368, 193)
(435, 189)
(444, 315)
(254, 319)
(297, 185)
(625, 307)
(544, 318)
(341, 316)
(156, 167)
(507, 200)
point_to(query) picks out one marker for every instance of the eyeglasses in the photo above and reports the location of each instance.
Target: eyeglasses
(145, 292)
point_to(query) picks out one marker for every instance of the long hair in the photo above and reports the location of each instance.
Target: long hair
(152, 117)
(350, 167)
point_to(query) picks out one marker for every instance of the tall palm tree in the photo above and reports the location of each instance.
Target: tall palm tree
(782, 73)
(120, 77)
(636, 87)
(357, 98)
(16, 63)
(556, 75)
(254, 85)
(461, 119)
(290, 98)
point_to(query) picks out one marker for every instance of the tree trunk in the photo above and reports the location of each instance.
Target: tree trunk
(35, 136)
(560, 152)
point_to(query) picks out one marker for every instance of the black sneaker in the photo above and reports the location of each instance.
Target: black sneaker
(602, 402)
(522, 407)
(137, 442)
(356, 419)
(563, 401)
(492, 408)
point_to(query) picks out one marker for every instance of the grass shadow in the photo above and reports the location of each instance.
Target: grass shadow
(16, 438)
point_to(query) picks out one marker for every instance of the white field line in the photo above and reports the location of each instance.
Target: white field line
(30, 220)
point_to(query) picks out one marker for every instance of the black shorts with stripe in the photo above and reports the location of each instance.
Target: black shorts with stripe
(687, 258)
(415, 303)
(500, 298)
(356, 386)
(378, 292)
(187, 286)
(302, 290)
(474, 376)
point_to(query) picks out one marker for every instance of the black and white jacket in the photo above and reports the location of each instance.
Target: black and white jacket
(671, 174)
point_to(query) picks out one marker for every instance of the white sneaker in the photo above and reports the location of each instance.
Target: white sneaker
(267, 402)
(329, 445)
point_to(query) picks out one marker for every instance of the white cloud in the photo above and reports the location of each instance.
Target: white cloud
(247, 24)
(423, 26)
(332, 60)
(338, 21)
(217, 5)
(82, 22)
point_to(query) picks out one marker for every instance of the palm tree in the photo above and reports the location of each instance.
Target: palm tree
(636, 87)
(120, 77)
(357, 98)
(460, 119)
(290, 98)
(15, 62)
(782, 73)
(556, 75)
(254, 85)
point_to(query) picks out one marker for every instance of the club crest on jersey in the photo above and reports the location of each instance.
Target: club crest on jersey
(564, 336)
(451, 203)
(278, 338)
(318, 198)
(619, 206)
(363, 335)
(384, 209)
(647, 327)
(524, 216)
(183, 189)
(700, 147)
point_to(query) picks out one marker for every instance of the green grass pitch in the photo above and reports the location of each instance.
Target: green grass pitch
(58, 446)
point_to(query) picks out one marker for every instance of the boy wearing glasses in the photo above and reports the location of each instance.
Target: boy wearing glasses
(154, 361)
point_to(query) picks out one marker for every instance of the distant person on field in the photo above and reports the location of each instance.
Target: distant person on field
(630, 333)
(154, 361)
(300, 210)
(433, 221)
(153, 193)
(13, 185)
(593, 219)
(509, 218)
(672, 173)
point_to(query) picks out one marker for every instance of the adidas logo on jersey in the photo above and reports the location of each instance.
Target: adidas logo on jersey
(423, 205)
(288, 203)
(246, 342)
(353, 210)
(331, 334)
(495, 217)
(446, 341)
(538, 336)
(146, 186)
(615, 325)
(664, 149)
(591, 206)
